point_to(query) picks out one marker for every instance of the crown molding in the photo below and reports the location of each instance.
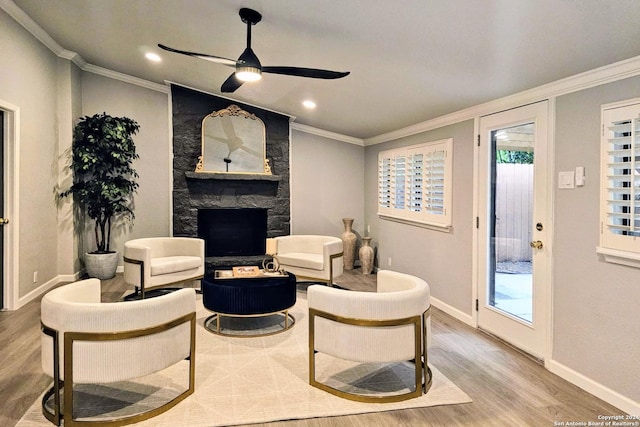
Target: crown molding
(327, 134)
(30, 25)
(39, 33)
(126, 78)
(73, 57)
(592, 78)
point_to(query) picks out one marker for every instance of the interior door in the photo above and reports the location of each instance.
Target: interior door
(513, 227)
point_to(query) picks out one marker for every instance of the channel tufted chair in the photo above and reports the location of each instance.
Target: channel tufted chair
(85, 341)
(318, 258)
(387, 326)
(157, 262)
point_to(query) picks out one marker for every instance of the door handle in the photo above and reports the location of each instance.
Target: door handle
(537, 244)
(4, 221)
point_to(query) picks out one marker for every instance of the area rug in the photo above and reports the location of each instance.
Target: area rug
(253, 380)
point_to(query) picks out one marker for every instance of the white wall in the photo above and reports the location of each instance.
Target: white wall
(595, 314)
(28, 80)
(69, 109)
(327, 181)
(150, 109)
(443, 259)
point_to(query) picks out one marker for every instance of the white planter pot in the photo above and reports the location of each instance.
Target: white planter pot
(101, 266)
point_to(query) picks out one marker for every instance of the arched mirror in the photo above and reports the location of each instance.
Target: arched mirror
(233, 141)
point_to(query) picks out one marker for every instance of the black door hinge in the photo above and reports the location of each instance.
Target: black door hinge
(478, 140)
(477, 305)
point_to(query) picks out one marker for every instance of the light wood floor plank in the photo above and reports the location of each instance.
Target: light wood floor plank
(507, 387)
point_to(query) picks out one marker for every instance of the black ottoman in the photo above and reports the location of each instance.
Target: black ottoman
(249, 297)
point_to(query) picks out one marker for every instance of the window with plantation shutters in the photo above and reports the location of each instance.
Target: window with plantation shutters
(414, 183)
(620, 183)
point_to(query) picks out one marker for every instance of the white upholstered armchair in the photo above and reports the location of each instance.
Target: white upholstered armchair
(312, 257)
(387, 326)
(85, 341)
(160, 261)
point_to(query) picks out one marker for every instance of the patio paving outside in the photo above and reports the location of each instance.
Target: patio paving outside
(514, 289)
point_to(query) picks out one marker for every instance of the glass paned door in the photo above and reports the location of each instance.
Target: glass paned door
(513, 239)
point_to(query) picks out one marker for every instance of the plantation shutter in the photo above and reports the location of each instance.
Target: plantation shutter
(620, 180)
(622, 177)
(414, 183)
(415, 178)
(399, 171)
(435, 181)
(384, 182)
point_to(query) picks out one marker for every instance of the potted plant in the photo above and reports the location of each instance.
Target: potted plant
(104, 182)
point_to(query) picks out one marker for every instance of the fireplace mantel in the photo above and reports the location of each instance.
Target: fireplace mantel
(232, 176)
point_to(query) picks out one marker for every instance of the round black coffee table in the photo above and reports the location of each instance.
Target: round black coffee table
(245, 297)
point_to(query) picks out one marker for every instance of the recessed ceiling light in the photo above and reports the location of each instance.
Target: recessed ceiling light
(309, 104)
(153, 57)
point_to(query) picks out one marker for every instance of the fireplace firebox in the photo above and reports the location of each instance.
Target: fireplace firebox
(233, 232)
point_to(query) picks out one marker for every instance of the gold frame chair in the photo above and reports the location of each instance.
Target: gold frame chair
(65, 412)
(423, 374)
(314, 280)
(142, 290)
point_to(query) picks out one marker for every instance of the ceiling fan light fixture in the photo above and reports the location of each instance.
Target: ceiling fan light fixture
(248, 67)
(153, 57)
(248, 74)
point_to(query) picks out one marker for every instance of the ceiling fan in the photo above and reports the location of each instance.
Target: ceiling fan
(248, 67)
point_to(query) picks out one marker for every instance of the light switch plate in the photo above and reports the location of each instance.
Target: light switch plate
(580, 176)
(566, 180)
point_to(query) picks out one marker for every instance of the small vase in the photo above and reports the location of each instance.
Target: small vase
(366, 256)
(349, 244)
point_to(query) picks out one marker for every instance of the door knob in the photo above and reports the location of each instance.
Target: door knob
(4, 221)
(536, 244)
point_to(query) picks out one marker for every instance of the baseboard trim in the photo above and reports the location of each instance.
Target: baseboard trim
(452, 311)
(600, 391)
(47, 286)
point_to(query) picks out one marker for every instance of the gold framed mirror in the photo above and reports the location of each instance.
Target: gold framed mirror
(233, 141)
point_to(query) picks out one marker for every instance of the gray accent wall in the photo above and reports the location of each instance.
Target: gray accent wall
(327, 181)
(443, 259)
(28, 80)
(150, 109)
(596, 315)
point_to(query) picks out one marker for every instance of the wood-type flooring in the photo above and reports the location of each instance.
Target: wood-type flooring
(507, 387)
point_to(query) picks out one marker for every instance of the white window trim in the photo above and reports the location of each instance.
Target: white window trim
(615, 248)
(431, 219)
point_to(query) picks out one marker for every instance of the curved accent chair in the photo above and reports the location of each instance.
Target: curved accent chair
(309, 257)
(388, 326)
(85, 341)
(157, 262)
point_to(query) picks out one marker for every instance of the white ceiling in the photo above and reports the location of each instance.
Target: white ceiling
(410, 60)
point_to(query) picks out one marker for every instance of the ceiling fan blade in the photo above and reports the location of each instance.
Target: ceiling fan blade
(313, 73)
(231, 84)
(206, 57)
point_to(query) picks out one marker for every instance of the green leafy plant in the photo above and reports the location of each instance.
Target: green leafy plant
(508, 156)
(104, 180)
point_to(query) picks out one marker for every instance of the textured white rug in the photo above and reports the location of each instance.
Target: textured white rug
(253, 380)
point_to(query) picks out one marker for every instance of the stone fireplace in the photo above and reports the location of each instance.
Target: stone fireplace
(225, 201)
